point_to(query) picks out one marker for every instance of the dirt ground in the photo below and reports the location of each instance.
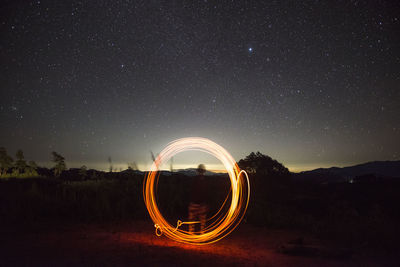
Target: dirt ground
(135, 244)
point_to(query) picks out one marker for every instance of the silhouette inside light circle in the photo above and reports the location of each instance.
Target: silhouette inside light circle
(223, 224)
(198, 209)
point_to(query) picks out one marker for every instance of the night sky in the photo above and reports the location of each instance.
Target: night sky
(309, 83)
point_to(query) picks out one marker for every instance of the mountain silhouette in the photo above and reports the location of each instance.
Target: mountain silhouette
(383, 169)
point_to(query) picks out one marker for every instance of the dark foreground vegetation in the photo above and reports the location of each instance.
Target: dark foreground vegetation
(74, 217)
(361, 214)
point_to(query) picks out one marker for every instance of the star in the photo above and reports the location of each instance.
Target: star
(303, 86)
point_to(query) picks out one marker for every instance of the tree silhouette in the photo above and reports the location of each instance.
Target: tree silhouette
(60, 163)
(33, 165)
(20, 163)
(152, 156)
(260, 164)
(32, 168)
(110, 162)
(6, 162)
(83, 171)
(132, 166)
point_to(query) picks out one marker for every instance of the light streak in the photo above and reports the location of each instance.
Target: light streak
(222, 224)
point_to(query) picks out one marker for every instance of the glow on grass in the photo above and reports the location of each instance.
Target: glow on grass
(220, 225)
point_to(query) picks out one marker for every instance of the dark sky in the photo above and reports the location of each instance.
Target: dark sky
(310, 83)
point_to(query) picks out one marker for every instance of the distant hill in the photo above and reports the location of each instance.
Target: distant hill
(383, 169)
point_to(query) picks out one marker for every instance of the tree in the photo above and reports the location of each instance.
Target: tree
(94, 175)
(32, 168)
(33, 165)
(83, 171)
(132, 166)
(20, 163)
(60, 163)
(110, 162)
(6, 162)
(259, 164)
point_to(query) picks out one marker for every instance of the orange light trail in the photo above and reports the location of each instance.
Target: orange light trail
(222, 224)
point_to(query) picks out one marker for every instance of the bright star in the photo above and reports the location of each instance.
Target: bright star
(250, 49)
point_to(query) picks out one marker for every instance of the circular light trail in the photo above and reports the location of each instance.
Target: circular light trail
(220, 224)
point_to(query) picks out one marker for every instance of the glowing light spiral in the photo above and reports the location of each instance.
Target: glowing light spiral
(222, 224)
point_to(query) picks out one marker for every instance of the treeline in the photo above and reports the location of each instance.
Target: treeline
(254, 163)
(18, 168)
(21, 168)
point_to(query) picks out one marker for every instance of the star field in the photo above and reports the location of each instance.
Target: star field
(311, 83)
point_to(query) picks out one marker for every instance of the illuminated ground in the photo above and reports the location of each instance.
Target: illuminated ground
(135, 244)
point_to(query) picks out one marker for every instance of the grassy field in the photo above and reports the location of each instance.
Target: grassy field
(360, 218)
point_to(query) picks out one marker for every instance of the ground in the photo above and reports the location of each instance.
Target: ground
(135, 243)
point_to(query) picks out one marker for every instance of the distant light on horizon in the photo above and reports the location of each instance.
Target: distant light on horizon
(217, 168)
